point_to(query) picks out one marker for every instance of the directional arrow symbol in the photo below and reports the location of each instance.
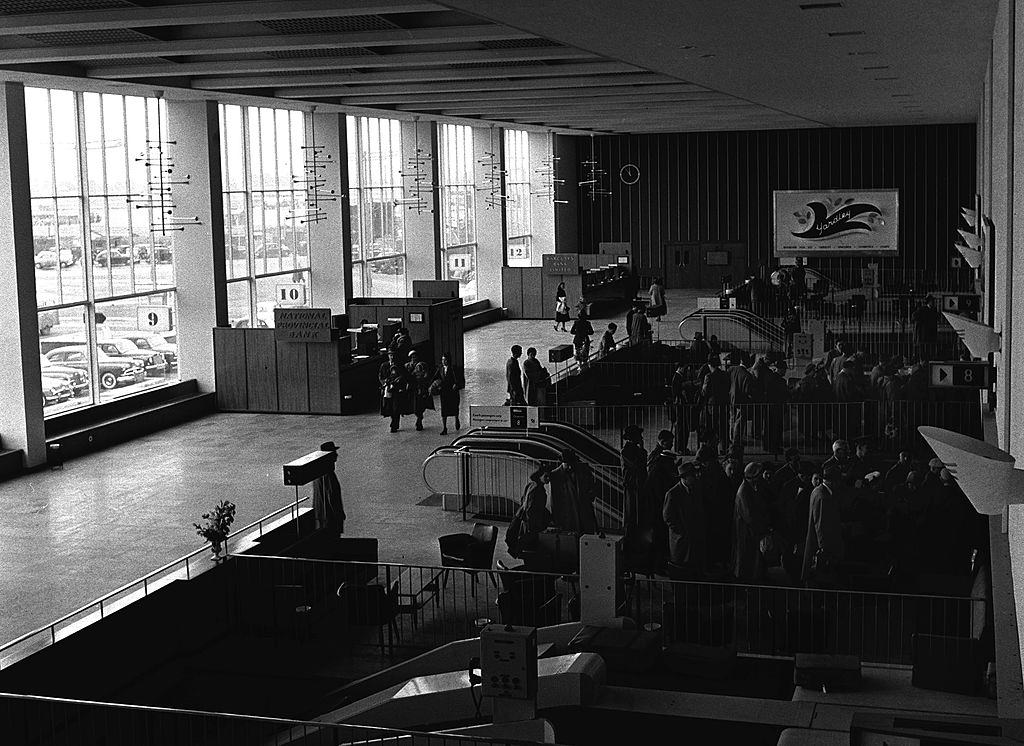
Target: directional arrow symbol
(943, 375)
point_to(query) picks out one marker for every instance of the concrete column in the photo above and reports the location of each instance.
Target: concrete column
(542, 210)
(1000, 204)
(21, 415)
(330, 247)
(199, 250)
(421, 250)
(490, 248)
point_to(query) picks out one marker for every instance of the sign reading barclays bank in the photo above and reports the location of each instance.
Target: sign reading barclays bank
(836, 223)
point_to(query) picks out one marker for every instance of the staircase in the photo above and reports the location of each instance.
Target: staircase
(480, 313)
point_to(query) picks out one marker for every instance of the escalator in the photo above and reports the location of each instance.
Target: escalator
(489, 468)
(734, 328)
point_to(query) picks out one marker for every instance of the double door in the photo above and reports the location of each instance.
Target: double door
(701, 265)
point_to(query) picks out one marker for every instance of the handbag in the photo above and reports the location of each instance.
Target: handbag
(435, 387)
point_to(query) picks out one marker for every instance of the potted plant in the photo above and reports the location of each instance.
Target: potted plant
(216, 526)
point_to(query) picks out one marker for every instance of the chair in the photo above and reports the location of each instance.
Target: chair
(473, 551)
(371, 606)
(530, 602)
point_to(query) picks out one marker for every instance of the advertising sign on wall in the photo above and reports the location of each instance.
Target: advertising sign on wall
(836, 223)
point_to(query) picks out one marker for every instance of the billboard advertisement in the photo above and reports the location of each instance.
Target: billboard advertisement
(852, 222)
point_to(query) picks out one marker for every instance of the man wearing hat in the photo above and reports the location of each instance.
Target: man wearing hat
(824, 547)
(572, 494)
(750, 525)
(683, 512)
(419, 375)
(863, 470)
(328, 509)
(662, 475)
(789, 471)
(714, 397)
(633, 460)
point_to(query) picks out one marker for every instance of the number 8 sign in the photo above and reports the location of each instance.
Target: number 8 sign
(154, 318)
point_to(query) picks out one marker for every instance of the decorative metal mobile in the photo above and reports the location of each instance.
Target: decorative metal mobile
(314, 180)
(549, 186)
(160, 181)
(419, 170)
(494, 174)
(594, 176)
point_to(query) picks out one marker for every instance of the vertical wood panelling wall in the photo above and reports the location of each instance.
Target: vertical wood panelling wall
(717, 186)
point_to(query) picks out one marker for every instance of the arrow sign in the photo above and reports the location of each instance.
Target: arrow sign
(968, 375)
(943, 375)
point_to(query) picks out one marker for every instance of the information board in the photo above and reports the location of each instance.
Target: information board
(518, 417)
(961, 303)
(965, 375)
(302, 324)
(803, 346)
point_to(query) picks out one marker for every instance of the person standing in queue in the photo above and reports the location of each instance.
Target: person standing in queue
(328, 508)
(633, 460)
(394, 391)
(514, 378)
(537, 379)
(419, 387)
(683, 513)
(824, 547)
(446, 384)
(750, 525)
(561, 307)
(572, 494)
(607, 344)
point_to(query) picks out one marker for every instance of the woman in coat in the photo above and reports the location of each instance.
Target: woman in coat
(394, 392)
(419, 394)
(561, 307)
(447, 383)
(750, 525)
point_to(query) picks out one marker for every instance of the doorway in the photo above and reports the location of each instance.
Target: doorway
(682, 265)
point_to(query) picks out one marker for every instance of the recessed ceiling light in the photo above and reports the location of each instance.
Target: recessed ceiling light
(686, 46)
(902, 95)
(819, 6)
(890, 77)
(877, 67)
(845, 33)
(862, 54)
(707, 56)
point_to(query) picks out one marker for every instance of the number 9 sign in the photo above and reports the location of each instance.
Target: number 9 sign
(154, 318)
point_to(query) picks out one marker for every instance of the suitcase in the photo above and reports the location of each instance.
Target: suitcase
(700, 661)
(818, 671)
(627, 650)
(947, 664)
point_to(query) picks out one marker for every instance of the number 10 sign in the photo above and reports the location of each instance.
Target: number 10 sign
(291, 294)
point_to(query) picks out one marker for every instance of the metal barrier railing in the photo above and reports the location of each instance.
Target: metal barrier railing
(491, 484)
(769, 429)
(574, 367)
(52, 721)
(781, 621)
(183, 568)
(398, 609)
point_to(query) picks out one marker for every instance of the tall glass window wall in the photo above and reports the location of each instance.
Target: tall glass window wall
(265, 236)
(105, 287)
(458, 208)
(518, 210)
(375, 205)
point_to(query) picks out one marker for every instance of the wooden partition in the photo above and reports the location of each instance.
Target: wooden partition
(529, 292)
(437, 321)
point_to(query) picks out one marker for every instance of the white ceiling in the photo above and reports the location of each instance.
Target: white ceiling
(605, 65)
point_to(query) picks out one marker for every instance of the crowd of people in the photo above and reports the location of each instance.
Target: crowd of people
(722, 518)
(408, 385)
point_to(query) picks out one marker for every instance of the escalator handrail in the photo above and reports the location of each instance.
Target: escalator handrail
(742, 317)
(609, 456)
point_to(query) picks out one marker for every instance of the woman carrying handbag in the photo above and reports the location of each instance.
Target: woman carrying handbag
(446, 384)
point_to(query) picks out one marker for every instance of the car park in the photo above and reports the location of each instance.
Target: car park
(76, 378)
(156, 343)
(114, 372)
(114, 257)
(55, 390)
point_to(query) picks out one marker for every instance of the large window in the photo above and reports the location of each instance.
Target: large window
(105, 287)
(266, 238)
(376, 207)
(518, 205)
(458, 208)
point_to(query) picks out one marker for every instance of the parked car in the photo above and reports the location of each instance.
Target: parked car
(46, 259)
(154, 342)
(154, 363)
(77, 379)
(55, 390)
(114, 372)
(112, 257)
(67, 257)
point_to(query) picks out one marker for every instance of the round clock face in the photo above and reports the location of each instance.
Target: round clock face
(629, 174)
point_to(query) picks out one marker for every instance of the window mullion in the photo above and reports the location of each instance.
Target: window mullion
(90, 280)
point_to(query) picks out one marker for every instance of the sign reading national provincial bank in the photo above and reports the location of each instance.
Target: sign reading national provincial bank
(812, 223)
(302, 324)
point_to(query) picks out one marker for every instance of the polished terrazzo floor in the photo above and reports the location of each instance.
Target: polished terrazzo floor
(67, 537)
